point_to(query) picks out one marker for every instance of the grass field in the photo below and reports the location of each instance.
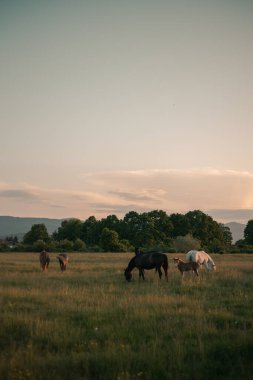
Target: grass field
(89, 323)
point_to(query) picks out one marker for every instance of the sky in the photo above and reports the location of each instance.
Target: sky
(114, 106)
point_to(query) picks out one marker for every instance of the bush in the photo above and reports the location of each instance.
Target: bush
(186, 243)
(39, 245)
(79, 245)
(94, 248)
(65, 245)
(109, 240)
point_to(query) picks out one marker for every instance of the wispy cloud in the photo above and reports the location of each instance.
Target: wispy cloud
(225, 194)
(103, 209)
(152, 195)
(18, 194)
(177, 190)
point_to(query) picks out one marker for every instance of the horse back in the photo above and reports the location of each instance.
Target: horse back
(197, 256)
(151, 260)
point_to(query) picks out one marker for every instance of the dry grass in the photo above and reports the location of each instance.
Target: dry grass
(89, 323)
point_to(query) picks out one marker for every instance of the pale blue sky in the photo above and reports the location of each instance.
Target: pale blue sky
(111, 106)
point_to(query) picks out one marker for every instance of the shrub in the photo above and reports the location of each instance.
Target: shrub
(186, 243)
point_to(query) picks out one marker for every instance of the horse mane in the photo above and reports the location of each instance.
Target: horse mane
(131, 264)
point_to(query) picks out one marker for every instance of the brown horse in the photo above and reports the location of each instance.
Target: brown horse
(186, 267)
(63, 261)
(44, 260)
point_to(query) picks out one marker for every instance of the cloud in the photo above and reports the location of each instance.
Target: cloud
(104, 210)
(152, 195)
(223, 194)
(18, 194)
(185, 188)
(175, 190)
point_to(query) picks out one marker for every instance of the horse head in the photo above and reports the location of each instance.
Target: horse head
(176, 261)
(211, 266)
(128, 274)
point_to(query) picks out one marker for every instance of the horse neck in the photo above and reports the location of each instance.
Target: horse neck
(210, 264)
(131, 265)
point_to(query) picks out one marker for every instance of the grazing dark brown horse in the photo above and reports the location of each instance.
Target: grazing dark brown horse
(44, 260)
(63, 261)
(148, 260)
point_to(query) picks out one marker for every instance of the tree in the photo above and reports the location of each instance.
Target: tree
(181, 225)
(216, 246)
(227, 236)
(70, 229)
(37, 232)
(204, 228)
(248, 232)
(79, 245)
(147, 229)
(109, 240)
(131, 227)
(112, 222)
(199, 225)
(90, 231)
(162, 226)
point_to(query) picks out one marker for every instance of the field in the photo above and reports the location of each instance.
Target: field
(89, 323)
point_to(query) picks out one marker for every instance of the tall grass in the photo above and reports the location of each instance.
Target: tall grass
(89, 323)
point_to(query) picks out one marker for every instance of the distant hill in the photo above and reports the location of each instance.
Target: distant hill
(237, 230)
(14, 226)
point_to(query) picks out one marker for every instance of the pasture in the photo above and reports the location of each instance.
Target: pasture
(89, 323)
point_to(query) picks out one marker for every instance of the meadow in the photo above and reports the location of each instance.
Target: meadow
(89, 323)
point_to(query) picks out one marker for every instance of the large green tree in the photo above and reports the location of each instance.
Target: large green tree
(91, 231)
(112, 222)
(131, 227)
(205, 229)
(148, 229)
(37, 232)
(70, 229)
(181, 225)
(162, 226)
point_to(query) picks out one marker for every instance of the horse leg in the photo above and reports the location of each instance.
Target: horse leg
(165, 268)
(141, 274)
(165, 272)
(160, 272)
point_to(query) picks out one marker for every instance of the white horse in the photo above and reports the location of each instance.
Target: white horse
(202, 258)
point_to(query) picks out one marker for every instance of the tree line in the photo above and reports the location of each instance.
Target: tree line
(148, 230)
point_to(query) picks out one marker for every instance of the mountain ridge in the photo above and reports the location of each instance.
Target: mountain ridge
(19, 226)
(237, 230)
